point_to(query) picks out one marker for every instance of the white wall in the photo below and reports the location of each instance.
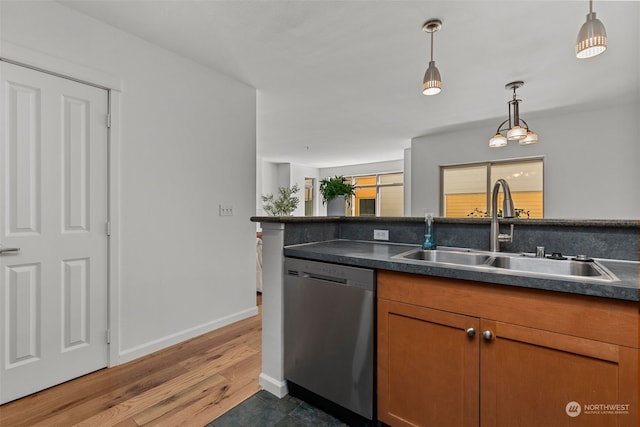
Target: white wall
(590, 161)
(187, 144)
(275, 175)
(407, 182)
(298, 175)
(364, 169)
(283, 175)
(267, 177)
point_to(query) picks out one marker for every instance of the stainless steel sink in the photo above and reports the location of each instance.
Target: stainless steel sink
(512, 264)
(547, 266)
(448, 257)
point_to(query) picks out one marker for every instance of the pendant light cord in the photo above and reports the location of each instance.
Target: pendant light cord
(432, 46)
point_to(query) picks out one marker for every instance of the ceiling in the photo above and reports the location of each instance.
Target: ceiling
(339, 82)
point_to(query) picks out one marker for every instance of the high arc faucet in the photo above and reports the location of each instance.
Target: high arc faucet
(508, 211)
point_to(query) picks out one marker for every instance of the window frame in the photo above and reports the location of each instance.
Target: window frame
(488, 164)
(353, 178)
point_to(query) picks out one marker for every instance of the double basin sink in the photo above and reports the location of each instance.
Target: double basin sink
(521, 264)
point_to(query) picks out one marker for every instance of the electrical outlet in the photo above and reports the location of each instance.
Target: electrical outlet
(380, 234)
(226, 210)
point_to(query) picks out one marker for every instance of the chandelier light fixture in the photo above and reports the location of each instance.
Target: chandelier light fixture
(432, 83)
(592, 38)
(511, 129)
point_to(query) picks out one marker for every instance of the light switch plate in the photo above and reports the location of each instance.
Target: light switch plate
(226, 210)
(380, 234)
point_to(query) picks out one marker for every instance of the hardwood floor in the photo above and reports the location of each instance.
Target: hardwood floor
(189, 384)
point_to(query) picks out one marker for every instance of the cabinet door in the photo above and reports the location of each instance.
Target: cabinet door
(428, 366)
(537, 378)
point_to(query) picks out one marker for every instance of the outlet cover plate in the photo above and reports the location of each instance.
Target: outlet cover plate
(380, 234)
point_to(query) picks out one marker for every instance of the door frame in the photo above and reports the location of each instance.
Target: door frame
(38, 61)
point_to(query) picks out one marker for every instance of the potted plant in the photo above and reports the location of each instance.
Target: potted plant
(336, 193)
(283, 205)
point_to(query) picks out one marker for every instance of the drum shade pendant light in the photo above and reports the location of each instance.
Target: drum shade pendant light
(592, 38)
(514, 131)
(432, 83)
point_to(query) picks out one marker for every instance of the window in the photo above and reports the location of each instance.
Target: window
(465, 190)
(378, 195)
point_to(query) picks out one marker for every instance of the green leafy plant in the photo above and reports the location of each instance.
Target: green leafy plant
(519, 213)
(478, 213)
(283, 205)
(331, 188)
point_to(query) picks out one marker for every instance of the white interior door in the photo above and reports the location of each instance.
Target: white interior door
(53, 206)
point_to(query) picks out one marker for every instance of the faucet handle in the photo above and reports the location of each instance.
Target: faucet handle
(502, 237)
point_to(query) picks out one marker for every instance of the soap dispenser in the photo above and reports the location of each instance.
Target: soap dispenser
(429, 241)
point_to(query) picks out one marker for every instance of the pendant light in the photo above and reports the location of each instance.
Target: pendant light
(514, 131)
(592, 38)
(432, 83)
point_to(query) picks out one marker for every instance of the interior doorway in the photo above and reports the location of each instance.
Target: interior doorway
(54, 208)
(309, 202)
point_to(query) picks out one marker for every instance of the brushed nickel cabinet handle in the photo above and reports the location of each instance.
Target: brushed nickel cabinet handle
(487, 335)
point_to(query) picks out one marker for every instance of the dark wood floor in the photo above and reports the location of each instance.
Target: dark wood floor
(188, 384)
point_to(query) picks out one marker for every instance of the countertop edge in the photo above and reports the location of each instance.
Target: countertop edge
(614, 223)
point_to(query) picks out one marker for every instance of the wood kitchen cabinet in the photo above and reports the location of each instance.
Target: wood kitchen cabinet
(428, 367)
(461, 353)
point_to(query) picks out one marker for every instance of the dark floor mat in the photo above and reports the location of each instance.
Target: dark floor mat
(265, 410)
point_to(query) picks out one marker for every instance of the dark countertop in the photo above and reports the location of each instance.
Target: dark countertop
(377, 255)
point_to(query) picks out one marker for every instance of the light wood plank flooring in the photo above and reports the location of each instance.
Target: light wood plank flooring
(189, 384)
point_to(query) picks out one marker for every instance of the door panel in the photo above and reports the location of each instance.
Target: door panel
(428, 367)
(22, 166)
(533, 377)
(23, 313)
(53, 206)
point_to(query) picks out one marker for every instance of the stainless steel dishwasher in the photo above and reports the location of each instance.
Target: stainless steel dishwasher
(329, 334)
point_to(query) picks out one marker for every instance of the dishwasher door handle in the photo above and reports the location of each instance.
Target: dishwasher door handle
(324, 278)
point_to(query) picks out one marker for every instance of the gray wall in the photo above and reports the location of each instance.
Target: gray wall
(591, 160)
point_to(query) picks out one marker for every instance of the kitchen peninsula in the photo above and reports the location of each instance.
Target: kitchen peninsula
(566, 319)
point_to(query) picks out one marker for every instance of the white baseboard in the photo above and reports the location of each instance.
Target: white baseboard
(273, 386)
(153, 346)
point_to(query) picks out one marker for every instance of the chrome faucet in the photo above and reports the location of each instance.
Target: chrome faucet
(507, 212)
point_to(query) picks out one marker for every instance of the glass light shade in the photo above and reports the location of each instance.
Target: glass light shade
(592, 38)
(432, 82)
(498, 141)
(516, 133)
(531, 138)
